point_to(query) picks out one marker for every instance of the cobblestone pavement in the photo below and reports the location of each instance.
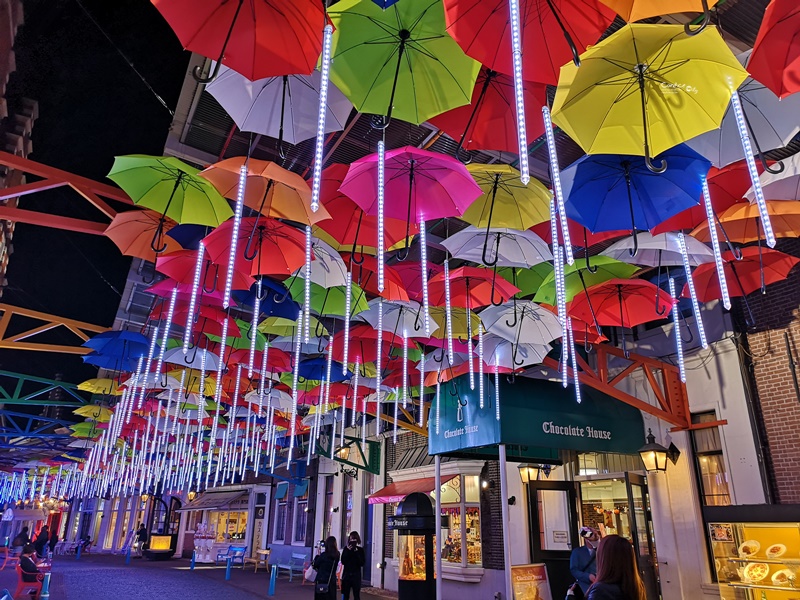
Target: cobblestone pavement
(103, 577)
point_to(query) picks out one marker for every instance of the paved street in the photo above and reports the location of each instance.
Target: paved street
(99, 577)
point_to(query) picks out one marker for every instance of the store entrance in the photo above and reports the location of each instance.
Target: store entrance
(620, 505)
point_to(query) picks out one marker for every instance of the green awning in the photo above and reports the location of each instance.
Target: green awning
(301, 489)
(280, 492)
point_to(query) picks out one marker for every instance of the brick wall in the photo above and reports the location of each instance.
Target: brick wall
(777, 404)
(492, 518)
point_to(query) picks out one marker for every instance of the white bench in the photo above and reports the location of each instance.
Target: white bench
(296, 564)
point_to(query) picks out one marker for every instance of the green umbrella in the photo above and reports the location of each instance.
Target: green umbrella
(577, 278)
(527, 280)
(330, 301)
(243, 342)
(399, 60)
(286, 328)
(171, 187)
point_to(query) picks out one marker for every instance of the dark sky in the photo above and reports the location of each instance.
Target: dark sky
(92, 106)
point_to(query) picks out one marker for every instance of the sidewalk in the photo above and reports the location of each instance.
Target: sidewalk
(103, 576)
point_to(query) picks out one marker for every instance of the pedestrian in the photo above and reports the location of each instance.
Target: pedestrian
(326, 564)
(41, 542)
(617, 574)
(583, 560)
(53, 541)
(27, 564)
(141, 539)
(20, 540)
(353, 559)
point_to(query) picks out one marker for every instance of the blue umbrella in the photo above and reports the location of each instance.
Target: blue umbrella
(283, 307)
(188, 235)
(112, 363)
(384, 4)
(106, 341)
(315, 369)
(607, 192)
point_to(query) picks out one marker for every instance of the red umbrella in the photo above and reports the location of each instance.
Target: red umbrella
(583, 331)
(180, 266)
(726, 187)
(257, 38)
(208, 320)
(471, 287)
(365, 275)
(273, 248)
(363, 345)
(554, 32)
(411, 275)
(579, 235)
(775, 60)
(278, 361)
(164, 289)
(622, 303)
(488, 122)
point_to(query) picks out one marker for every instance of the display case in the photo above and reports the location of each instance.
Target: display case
(755, 560)
(411, 557)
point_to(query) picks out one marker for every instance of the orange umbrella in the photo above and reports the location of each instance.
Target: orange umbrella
(133, 231)
(636, 10)
(271, 190)
(742, 225)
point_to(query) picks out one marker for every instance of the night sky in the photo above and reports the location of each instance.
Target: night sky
(92, 106)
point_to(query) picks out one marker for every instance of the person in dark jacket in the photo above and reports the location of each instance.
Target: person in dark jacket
(41, 541)
(22, 539)
(53, 541)
(141, 540)
(582, 561)
(326, 564)
(353, 559)
(28, 566)
(617, 575)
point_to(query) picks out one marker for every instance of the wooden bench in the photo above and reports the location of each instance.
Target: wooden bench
(261, 556)
(27, 587)
(296, 564)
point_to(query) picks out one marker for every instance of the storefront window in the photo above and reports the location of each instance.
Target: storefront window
(710, 462)
(462, 544)
(348, 506)
(109, 541)
(300, 518)
(604, 505)
(326, 527)
(229, 525)
(280, 520)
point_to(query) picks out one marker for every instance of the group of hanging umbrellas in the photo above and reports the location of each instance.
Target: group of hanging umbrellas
(290, 309)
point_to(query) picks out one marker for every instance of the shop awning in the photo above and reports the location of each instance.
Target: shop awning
(212, 501)
(397, 491)
(22, 514)
(301, 489)
(281, 490)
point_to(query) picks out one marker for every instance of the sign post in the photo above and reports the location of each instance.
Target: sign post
(437, 461)
(506, 524)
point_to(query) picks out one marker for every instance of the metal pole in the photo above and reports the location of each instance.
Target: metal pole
(438, 515)
(45, 593)
(273, 578)
(506, 524)
(228, 568)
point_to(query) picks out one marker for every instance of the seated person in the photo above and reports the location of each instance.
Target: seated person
(86, 543)
(26, 563)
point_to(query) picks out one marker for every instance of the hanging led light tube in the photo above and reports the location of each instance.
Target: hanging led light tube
(355, 393)
(575, 378)
(423, 260)
(555, 171)
(237, 221)
(712, 230)
(198, 273)
(307, 289)
(480, 365)
(325, 66)
(690, 282)
(347, 306)
(295, 378)
(254, 329)
(447, 311)
(519, 91)
(676, 329)
(381, 192)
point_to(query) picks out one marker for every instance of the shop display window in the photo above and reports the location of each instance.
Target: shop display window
(229, 525)
(411, 557)
(756, 560)
(461, 543)
(604, 505)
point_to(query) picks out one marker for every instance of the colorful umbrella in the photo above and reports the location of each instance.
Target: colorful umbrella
(742, 222)
(578, 278)
(680, 85)
(400, 60)
(637, 10)
(398, 317)
(365, 276)
(470, 287)
(506, 247)
(330, 301)
(784, 185)
(662, 249)
(527, 280)
(553, 33)
(132, 232)
(257, 38)
(243, 339)
(499, 351)
(775, 61)
(180, 266)
(522, 322)
(103, 386)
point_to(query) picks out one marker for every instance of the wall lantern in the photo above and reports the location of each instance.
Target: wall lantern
(655, 456)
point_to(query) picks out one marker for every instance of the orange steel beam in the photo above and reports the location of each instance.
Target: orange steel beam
(47, 322)
(19, 215)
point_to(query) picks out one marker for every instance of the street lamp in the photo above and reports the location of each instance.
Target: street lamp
(191, 495)
(654, 455)
(529, 473)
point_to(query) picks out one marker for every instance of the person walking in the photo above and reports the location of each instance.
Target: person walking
(326, 564)
(53, 541)
(617, 575)
(141, 539)
(353, 559)
(41, 542)
(583, 560)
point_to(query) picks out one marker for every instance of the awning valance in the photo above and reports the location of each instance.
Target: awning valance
(301, 489)
(281, 491)
(24, 514)
(213, 500)
(396, 492)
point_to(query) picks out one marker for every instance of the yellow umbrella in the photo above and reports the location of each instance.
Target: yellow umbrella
(506, 201)
(459, 321)
(100, 386)
(636, 10)
(285, 327)
(192, 382)
(645, 89)
(101, 414)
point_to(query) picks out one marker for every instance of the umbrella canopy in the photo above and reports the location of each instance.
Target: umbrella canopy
(180, 266)
(327, 267)
(772, 123)
(193, 360)
(505, 201)
(412, 276)
(498, 246)
(398, 317)
(286, 327)
(499, 351)
(470, 287)
(622, 303)
(784, 185)
(101, 414)
(660, 250)
(132, 232)
(279, 107)
(103, 386)
(610, 192)
(399, 61)
(365, 276)
(522, 322)
(171, 187)
(579, 234)
(458, 322)
(678, 85)
(257, 38)
(487, 122)
(636, 10)
(745, 276)
(742, 223)
(482, 29)
(240, 337)
(775, 61)
(578, 278)
(270, 189)
(527, 280)
(330, 301)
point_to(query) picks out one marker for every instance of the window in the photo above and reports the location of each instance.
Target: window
(326, 525)
(228, 525)
(462, 543)
(710, 462)
(300, 512)
(281, 508)
(347, 521)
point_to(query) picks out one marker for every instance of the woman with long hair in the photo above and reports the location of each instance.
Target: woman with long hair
(326, 564)
(617, 576)
(353, 560)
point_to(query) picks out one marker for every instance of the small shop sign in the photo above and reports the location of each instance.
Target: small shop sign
(529, 582)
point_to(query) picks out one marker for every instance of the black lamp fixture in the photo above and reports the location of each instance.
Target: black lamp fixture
(487, 484)
(512, 501)
(530, 473)
(655, 456)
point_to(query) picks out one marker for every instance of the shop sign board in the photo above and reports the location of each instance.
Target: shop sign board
(533, 413)
(529, 582)
(561, 537)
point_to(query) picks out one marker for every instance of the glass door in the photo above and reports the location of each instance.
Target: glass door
(642, 533)
(553, 530)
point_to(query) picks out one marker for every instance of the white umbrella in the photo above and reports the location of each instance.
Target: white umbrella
(499, 351)
(152, 381)
(192, 359)
(81, 444)
(772, 123)
(279, 399)
(502, 247)
(398, 316)
(327, 268)
(315, 345)
(332, 416)
(522, 322)
(781, 186)
(261, 106)
(438, 359)
(662, 249)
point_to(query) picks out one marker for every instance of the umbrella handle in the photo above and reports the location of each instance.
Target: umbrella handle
(687, 28)
(589, 267)
(575, 54)
(464, 156)
(648, 161)
(511, 378)
(196, 72)
(149, 280)
(516, 318)
(248, 254)
(353, 258)
(440, 359)
(651, 167)
(779, 167)
(486, 261)
(157, 236)
(263, 296)
(417, 324)
(216, 278)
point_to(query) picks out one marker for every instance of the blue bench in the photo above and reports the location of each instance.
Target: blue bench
(235, 553)
(295, 564)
